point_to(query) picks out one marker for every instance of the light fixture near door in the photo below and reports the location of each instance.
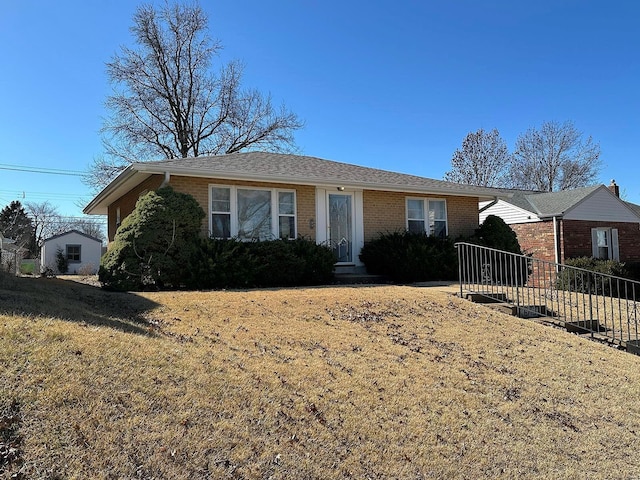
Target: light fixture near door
(340, 189)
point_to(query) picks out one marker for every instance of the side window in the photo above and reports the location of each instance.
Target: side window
(221, 212)
(438, 218)
(286, 215)
(604, 243)
(73, 253)
(415, 216)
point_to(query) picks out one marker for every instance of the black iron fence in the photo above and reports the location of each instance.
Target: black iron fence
(580, 300)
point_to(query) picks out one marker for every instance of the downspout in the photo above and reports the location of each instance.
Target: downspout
(556, 240)
(167, 178)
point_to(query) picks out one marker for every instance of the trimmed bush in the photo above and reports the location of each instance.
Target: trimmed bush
(273, 263)
(154, 244)
(411, 257)
(495, 233)
(585, 281)
(501, 268)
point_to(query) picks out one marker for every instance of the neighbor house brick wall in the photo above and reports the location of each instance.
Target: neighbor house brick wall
(127, 203)
(386, 212)
(577, 238)
(536, 239)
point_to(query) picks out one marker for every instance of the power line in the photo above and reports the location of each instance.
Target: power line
(48, 195)
(50, 171)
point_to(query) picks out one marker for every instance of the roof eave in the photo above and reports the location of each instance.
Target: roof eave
(115, 189)
(476, 192)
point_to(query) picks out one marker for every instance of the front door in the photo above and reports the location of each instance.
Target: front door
(340, 223)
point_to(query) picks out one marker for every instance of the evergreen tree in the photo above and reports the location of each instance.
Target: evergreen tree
(16, 225)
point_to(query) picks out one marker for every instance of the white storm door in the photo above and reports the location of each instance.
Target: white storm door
(340, 226)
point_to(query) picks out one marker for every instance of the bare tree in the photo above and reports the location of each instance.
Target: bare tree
(169, 103)
(554, 157)
(483, 160)
(89, 227)
(45, 219)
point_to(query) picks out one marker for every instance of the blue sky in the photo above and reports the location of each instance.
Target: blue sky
(388, 84)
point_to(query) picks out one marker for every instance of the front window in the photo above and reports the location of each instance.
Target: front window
(73, 253)
(425, 215)
(252, 213)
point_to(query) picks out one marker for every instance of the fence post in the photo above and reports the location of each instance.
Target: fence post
(459, 248)
(590, 304)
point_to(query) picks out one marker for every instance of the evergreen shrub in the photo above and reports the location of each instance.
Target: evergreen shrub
(410, 257)
(220, 263)
(153, 246)
(586, 280)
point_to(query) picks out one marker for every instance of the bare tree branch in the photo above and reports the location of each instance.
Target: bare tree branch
(168, 101)
(482, 160)
(554, 157)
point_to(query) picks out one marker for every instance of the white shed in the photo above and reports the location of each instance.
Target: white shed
(81, 251)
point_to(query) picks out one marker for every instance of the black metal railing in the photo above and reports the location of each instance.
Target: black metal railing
(581, 300)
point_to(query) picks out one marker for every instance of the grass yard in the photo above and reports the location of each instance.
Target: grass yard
(376, 382)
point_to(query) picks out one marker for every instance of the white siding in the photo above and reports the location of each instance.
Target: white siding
(90, 252)
(602, 206)
(509, 213)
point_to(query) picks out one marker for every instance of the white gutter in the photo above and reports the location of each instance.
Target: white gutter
(556, 240)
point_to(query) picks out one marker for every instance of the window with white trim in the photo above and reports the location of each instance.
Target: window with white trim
(73, 253)
(252, 213)
(604, 243)
(427, 215)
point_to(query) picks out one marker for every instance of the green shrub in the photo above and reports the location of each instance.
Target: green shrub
(632, 270)
(497, 267)
(410, 257)
(495, 233)
(62, 262)
(274, 263)
(587, 282)
(154, 244)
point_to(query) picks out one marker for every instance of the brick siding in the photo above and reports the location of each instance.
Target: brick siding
(536, 239)
(386, 212)
(577, 238)
(383, 211)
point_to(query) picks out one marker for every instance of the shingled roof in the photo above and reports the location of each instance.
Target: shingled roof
(280, 167)
(284, 168)
(547, 204)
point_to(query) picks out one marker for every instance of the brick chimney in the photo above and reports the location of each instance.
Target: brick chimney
(615, 189)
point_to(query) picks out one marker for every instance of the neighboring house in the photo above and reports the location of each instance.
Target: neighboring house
(268, 195)
(554, 226)
(82, 252)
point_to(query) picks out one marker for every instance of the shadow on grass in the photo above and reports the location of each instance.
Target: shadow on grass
(75, 302)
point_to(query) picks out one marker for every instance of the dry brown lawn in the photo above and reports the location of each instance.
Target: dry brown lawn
(316, 383)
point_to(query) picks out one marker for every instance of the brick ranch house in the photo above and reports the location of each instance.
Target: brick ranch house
(268, 195)
(554, 226)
